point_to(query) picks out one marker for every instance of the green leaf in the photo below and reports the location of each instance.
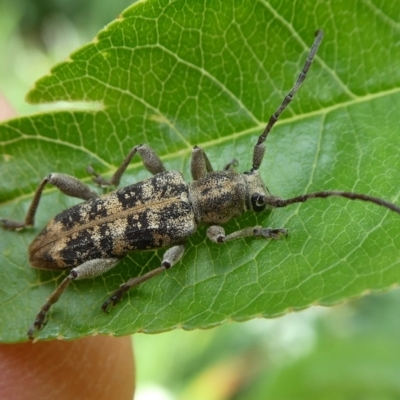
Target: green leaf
(176, 74)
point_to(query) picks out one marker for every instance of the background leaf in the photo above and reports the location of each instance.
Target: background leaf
(178, 74)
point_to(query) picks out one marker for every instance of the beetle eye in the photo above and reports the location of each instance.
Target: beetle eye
(257, 202)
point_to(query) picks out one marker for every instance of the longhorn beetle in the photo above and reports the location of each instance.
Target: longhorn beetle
(92, 237)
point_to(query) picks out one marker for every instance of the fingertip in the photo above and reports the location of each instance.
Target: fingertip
(98, 367)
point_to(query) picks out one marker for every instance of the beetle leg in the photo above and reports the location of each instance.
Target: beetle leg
(231, 165)
(217, 234)
(199, 163)
(170, 258)
(65, 183)
(150, 160)
(88, 269)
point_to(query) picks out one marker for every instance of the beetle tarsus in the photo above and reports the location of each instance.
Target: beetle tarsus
(115, 298)
(11, 225)
(38, 324)
(275, 233)
(97, 178)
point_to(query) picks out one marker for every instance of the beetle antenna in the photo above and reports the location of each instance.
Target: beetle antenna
(259, 148)
(278, 202)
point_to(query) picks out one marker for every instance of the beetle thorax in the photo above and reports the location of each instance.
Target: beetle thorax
(220, 196)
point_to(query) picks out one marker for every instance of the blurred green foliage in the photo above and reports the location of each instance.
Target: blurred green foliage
(35, 34)
(342, 353)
